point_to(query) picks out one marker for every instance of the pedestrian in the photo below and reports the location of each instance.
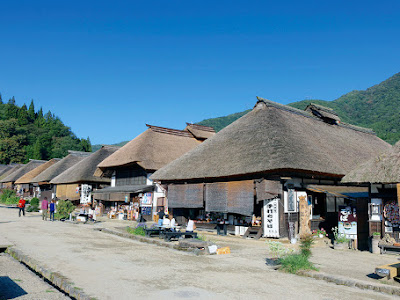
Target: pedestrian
(45, 206)
(161, 215)
(21, 206)
(52, 210)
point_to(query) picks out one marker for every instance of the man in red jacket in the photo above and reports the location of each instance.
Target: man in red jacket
(21, 205)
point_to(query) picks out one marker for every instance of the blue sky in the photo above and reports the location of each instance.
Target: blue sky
(107, 68)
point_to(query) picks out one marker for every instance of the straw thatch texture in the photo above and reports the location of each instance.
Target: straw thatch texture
(186, 195)
(322, 111)
(83, 170)
(32, 164)
(27, 178)
(6, 170)
(230, 197)
(268, 189)
(12, 169)
(384, 168)
(67, 192)
(64, 164)
(275, 137)
(200, 132)
(152, 149)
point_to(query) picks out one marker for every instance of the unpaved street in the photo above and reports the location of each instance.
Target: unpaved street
(109, 267)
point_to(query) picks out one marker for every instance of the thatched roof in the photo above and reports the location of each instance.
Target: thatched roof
(32, 164)
(27, 178)
(200, 132)
(274, 137)
(83, 170)
(322, 111)
(383, 168)
(152, 149)
(5, 168)
(71, 159)
(13, 168)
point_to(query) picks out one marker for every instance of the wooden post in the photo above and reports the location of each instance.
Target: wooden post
(304, 211)
(398, 194)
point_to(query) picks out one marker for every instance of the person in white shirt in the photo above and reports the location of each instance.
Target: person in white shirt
(190, 225)
(173, 223)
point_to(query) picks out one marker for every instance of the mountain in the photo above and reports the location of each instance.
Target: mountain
(377, 107)
(26, 133)
(98, 146)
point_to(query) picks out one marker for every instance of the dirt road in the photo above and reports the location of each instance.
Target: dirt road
(109, 267)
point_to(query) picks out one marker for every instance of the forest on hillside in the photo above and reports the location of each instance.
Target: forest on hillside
(377, 107)
(26, 133)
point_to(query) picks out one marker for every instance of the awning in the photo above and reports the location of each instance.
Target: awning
(119, 193)
(340, 191)
(126, 189)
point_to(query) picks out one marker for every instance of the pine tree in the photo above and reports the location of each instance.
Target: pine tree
(31, 112)
(1, 99)
(23, 118)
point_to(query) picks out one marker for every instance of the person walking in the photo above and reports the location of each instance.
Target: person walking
(52, 210)
(45, 206)
(21, 206)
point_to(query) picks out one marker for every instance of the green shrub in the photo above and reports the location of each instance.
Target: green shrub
(138, 230)
(339, 237)
(305, 245)
(64, 208)
(293, 263)
(35, 202)
(8, 197)
(277, 249)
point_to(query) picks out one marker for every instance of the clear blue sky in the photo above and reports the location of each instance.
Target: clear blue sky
(108, 67)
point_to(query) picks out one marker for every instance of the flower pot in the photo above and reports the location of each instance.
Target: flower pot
(374, 244)
(340, 246)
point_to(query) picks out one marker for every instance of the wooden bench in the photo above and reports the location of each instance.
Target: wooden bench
(152, 231)
(168, 236)
(391, 249)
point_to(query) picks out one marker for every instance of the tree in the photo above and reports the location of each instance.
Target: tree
(23, 118)
(31, 112)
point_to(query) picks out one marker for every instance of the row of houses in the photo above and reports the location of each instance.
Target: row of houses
(277, 168)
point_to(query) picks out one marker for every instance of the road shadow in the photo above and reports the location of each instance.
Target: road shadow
(9, 289)
(373, 276)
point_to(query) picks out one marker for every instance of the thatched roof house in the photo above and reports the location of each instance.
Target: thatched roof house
(152, 149)
(84, 169)
(12, 169)
(32, 164)
(5, 168)
(384, 168)
(53, 171)
(28, 177)
(273, 138)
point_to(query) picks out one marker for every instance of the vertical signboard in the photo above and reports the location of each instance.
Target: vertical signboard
(347, 224)
(271, 218)
(304, 209)
(86, 194)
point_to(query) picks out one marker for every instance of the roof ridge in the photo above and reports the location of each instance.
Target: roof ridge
(309, 115)
(201, 127)
(169, 131)
(36, 160)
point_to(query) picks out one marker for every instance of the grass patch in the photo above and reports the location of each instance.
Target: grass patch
(18, 280)
(50, 291)
(293, 263)
(202, 237)
(138, 230)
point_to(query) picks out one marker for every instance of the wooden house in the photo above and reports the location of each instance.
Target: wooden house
(42, 181)
(9, 181)
(131, 166)
(381, 174)
(259, 168)
(77, 182)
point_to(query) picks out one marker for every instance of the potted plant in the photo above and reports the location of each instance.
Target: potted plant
(340, 240)
(319, 233)
(376, 237)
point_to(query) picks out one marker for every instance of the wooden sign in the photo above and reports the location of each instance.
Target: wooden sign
(398, 194)
(304, 209)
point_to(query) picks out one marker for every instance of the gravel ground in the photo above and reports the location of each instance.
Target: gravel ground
(109, 267)
(18, 282)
